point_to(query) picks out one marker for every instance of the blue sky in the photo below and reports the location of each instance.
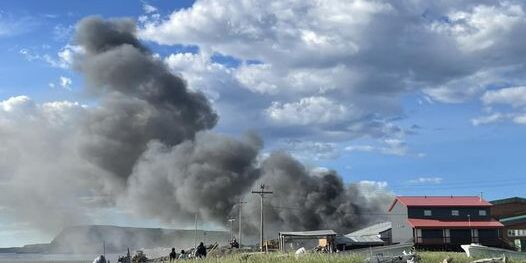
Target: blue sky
(420, 98)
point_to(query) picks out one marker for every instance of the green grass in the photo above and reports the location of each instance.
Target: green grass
(426, 257)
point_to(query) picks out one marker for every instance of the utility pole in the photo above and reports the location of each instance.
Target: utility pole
(240, 232)
(262, 193)
(195, 232)
(231, 220)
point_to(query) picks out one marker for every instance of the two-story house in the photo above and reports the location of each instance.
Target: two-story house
(443, 222)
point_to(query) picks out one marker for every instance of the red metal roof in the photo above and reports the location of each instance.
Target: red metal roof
(454, 201)
(433, 223)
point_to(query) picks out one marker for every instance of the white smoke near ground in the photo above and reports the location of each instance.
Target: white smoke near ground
(147, 147)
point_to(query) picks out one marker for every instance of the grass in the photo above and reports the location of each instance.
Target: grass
(426, 257)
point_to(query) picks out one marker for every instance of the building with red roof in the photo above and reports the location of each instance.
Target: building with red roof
(444, 222)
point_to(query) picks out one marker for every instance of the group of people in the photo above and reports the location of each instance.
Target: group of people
(200, 252)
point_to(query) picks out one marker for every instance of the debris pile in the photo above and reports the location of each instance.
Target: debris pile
(139, 257)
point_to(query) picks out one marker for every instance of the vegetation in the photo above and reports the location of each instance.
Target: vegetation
(426, 257)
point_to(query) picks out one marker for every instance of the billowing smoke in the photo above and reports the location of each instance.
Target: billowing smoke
(140, 99)
(146, 146)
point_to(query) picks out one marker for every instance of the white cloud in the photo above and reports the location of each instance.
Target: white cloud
(310, 150)
(14, 103)
(389, 146)
(201, 73)
(514, 96)
(338, 68)
(360, 148)
(62, 33)
(308, 111)
(483, 26)
(63, 59)
(65, 82)
(258, 78)
(373, 184)
(514, 117)
(495, 117)
(427, 180)
(147, 8)
(12, 25)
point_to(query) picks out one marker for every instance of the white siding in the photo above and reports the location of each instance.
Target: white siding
(402, 231)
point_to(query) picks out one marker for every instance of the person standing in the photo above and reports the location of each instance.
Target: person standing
(173, 255)
(200, 252)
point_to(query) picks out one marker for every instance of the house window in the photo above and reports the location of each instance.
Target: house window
(483, 213)
(455, 213)
(517, 232)
(427, 213)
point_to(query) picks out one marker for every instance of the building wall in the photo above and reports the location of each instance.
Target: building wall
(445, 213)
(401, 230)
(511, 239)
(508, 210)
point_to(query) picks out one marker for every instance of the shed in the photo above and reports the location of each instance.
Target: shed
(325, 238)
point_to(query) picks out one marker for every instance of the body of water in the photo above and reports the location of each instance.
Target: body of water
(48, 258)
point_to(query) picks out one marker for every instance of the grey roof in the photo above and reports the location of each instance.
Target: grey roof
(366, 239)
(359, 240)
(372, 230)
(309, 233)
(509, 200)
(513, 220)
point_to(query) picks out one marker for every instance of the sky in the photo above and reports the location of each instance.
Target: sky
(419, 97)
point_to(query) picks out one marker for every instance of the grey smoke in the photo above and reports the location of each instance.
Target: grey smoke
(146, 146)
(140, 99)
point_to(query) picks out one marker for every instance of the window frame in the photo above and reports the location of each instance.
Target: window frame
(428, 212)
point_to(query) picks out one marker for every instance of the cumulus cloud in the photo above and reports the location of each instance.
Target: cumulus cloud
(513, 96)
(359, 54)
(483, 26)
(65, 82)
(307, 111)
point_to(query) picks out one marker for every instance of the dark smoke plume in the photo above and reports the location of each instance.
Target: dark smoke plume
(146, 147)
(140, 99)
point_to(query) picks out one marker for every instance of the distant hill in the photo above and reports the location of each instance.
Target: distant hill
(90, 239)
